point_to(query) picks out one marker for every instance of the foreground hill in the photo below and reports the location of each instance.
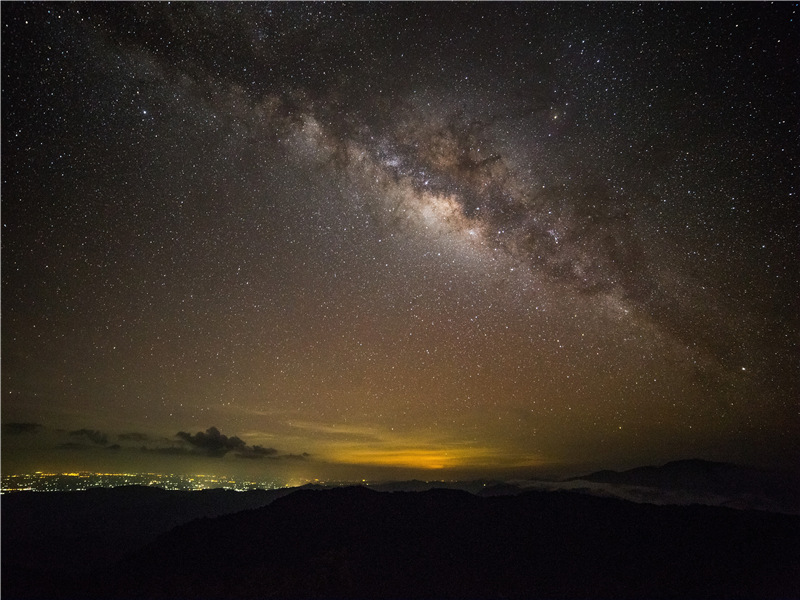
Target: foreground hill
(359, 543)
(47, 534)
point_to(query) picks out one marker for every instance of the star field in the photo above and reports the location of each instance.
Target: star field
(399, 238)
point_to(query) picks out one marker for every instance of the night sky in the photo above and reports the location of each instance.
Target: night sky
(390, 240)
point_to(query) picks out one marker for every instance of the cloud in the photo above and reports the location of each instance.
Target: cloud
(170, 450)
(96, 437)
(73, 446)
(256, 452)
(212, 442)
(133, 437)
(302, 456)
(20, 428)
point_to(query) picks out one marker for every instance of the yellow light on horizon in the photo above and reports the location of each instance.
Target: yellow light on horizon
(430, 458)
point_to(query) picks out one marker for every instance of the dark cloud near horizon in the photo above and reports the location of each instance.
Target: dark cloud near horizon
(94, 436)
(256, 452)
(170, 450)
(303, 456)
(75, 446)
(270, 454)
(21, 428)
(212, 442)
(133, 437)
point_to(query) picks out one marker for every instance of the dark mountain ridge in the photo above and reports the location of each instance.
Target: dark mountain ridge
(358, 543)
(81, 531)
(763, 489)
(687, 474)
(410, 539)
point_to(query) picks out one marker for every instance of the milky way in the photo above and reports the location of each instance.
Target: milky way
(487, 238)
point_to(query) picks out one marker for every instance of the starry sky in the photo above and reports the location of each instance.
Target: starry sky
(389, 240)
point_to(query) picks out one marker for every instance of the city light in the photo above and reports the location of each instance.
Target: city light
(77, 481)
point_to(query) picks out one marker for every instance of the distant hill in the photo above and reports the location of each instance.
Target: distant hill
(687, 474)
(358, 543)
(739, 486)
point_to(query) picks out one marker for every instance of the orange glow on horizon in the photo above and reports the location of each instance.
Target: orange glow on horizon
(432, 458)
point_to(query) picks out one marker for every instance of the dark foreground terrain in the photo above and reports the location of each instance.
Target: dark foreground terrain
(359, 543)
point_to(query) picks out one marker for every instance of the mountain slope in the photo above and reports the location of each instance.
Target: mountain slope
(77, 532)
(358, 543)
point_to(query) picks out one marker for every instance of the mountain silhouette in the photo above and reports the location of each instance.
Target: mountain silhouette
(358, 543)
(51, 535)
(745, 487)
(493, 541)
